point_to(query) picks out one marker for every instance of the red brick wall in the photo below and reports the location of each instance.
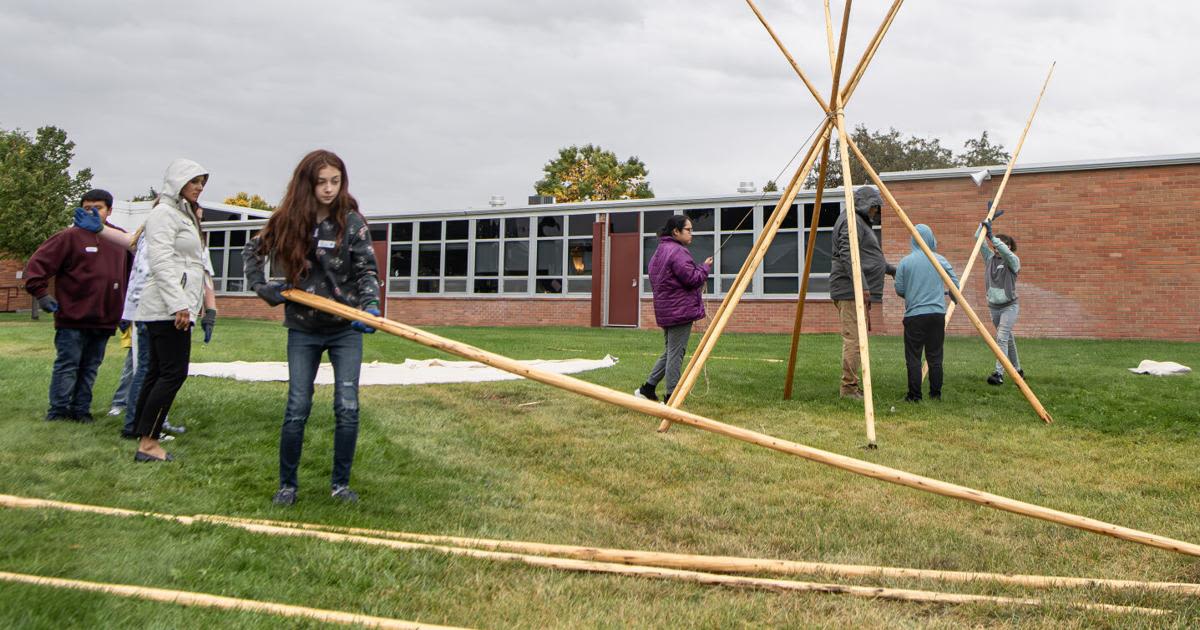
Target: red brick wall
(12, 291)
(1104, 253)
(1109, 254)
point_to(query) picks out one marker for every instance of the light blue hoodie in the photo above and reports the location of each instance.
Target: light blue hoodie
(918, 282)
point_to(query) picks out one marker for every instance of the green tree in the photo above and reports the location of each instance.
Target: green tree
(889, 151)
(246, 200)
(590, 173)
(770, 186)
(150, 196)
(37, 190)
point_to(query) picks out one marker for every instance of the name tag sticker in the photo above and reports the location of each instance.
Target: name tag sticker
(91, 249)
(326, 244)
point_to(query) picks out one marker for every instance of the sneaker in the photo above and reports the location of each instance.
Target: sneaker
(1021, 372)
(163, 437)
(285, 496)
(343, 494)
(54, 417)
(172, 428)
(116, 411)
(129, 435)
(937, 397)
(83, 418)
(912, 399)
(995, 379)
(646, 392)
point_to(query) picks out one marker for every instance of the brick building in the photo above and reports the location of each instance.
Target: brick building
(1107, 250)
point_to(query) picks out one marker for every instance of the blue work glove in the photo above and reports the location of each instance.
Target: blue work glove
(271, 292)
(363, 328)
(987, 228)
(89, 220)
(48, 303)
(207, 322)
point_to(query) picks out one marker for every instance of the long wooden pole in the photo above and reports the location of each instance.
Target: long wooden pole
(666, 412)
(966, 273)
(814, 220)
(732, 564)
(206, 600)
(860, 312)
(713, 332)
(1000, 355)
(275, 528)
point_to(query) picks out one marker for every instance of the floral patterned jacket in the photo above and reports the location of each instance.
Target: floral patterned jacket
(345, 272)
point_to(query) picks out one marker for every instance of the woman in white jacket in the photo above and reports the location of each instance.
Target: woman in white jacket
(171, 300)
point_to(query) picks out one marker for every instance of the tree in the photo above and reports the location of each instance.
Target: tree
(249, 201)
(889, 151)
(150, 196)
(37, 189)
(590, 173)
(770, 186)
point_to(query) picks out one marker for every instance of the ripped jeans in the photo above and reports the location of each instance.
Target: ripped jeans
(304, 352)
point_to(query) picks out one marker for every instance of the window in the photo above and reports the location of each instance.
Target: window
(516, 255)
(400, 271)
(701, 247)
(818, 279)
(225, 254)
(781, 264)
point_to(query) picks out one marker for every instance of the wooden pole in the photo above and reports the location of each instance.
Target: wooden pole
(715, 564)
(860, 312)
(666, 412)
(966, 273)
(712, 334)
(206, 600)
(987, 337)
(814, 219)
(272, 528)
(732, 564)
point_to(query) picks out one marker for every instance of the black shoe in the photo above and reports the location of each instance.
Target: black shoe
(937, 397)
(126, 435)
(286, 495)
(141, 457)
(996, 379)
(646, 391)
(1021, 372)
(912, 399)
(55, 417)
(344, 494)
(83, 418)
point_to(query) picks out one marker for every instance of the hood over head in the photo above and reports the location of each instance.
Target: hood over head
(180, 172)
(866, 197)
(926, 233)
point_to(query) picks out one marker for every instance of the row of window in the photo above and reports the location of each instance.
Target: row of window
(552, 255)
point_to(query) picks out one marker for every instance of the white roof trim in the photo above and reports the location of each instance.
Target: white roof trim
(1047, 167)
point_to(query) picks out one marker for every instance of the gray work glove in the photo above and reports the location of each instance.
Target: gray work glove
(207, 322)
(271, 292)
(48, 303)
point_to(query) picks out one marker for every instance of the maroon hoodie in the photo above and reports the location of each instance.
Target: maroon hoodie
(90, 275)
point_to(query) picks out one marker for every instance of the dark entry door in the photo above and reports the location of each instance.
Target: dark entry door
(623, 279)
(381, 262)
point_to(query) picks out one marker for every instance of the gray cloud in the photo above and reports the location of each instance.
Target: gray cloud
(440, 104)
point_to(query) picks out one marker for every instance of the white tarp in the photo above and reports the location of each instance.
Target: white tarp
(411, 372)
(1160, 368)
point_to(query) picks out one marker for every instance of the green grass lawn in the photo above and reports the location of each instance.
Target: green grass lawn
(479, 460)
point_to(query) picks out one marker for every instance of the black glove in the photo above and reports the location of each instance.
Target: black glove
(207, 322)
(123, 325)
(987, 228)
(48, 303)
(271, 292)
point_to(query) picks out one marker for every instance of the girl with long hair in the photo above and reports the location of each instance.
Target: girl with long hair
(318, 241)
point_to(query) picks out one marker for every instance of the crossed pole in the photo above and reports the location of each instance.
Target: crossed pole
(835, 117)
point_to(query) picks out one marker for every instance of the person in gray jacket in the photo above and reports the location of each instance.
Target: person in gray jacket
(867, 207)
(1003, 265)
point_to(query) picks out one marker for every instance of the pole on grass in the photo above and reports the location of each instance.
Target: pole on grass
(666, 412)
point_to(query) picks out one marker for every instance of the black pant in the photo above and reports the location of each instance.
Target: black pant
(170, 350)
(928, 333)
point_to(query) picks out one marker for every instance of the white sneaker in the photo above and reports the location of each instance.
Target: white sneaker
(166, 438)
(116, 411)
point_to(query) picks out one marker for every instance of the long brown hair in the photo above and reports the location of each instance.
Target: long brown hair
(288, 233)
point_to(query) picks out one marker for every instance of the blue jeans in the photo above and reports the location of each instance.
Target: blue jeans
(121, 396)
(80, 353)
(141, 346)
(1004, 319)
(304, 352)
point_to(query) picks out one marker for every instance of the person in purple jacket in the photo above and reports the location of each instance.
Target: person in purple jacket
(677, 282)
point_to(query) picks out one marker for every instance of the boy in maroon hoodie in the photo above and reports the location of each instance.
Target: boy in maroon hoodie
(89, 293)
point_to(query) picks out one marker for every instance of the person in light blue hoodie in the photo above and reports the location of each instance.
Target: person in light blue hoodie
(924, 293)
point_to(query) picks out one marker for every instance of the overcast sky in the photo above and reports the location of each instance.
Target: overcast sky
(440, 104)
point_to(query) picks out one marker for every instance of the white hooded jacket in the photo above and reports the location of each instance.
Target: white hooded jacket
(175, 252)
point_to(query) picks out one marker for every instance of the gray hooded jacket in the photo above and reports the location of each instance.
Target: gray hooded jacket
(176, 256)
(841, 284)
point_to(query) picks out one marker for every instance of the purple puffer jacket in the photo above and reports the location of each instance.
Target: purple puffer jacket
(677, 282)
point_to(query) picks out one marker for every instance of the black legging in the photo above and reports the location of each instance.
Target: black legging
(170, 350)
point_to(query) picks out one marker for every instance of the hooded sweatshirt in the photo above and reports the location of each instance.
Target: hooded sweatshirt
(841, 284)
(175, 253)
(1002, 273)
(918, 282)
